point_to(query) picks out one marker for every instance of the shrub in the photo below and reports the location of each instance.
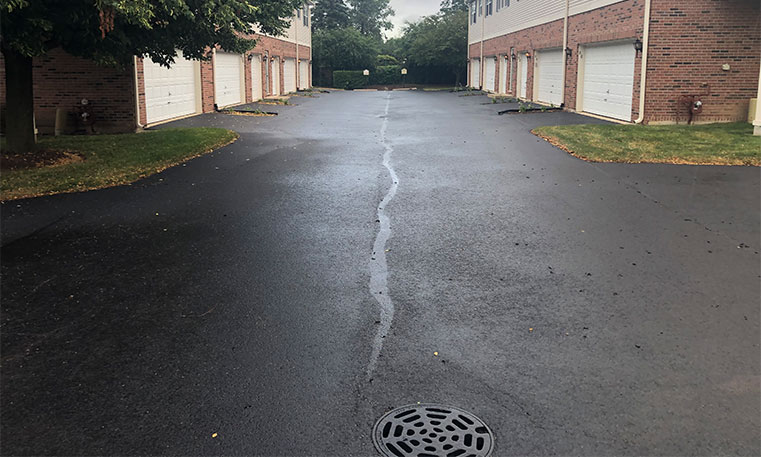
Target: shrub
(386, 74)
(349, 79)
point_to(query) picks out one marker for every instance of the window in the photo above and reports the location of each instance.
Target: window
(306, 15)
(489, 7)
(473, 12)
(480, 7)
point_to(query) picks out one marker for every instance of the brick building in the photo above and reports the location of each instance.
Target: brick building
(144, 93)
(588, 55)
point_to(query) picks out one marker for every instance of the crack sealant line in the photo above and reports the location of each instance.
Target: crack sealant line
(378, 265)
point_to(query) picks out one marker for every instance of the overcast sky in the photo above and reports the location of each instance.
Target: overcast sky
(410, 10)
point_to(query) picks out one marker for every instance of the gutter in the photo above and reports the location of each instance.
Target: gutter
(137, 94)
(643, 66)
(481, 60)
(565, 46)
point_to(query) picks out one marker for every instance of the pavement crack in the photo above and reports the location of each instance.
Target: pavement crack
(378, 265)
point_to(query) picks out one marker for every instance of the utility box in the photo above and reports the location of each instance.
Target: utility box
(752, 109)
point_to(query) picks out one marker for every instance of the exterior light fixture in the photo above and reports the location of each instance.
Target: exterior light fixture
(404, 71)
(512, 56)
(638, 45)
(366, 72)
(528, 54)
(568, 52)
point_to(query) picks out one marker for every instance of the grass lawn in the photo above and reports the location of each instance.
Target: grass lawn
(78, 163)
(710, 144)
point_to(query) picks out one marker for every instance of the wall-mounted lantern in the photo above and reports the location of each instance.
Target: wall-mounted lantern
(528, 54)
(512, 56)
(638, 45)
(568, 52)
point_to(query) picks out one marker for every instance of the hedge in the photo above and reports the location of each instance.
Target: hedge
(386, 74)
(345, 79)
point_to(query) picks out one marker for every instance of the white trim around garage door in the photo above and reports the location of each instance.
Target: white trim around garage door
(606, 79)
(548, 76)
(173, 92)
(229, 80)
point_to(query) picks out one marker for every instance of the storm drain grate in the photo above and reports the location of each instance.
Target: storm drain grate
(430, 430)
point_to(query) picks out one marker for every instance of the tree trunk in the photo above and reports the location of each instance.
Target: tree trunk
(19, 106)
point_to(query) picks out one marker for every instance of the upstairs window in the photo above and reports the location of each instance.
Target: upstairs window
(480, 7)
(306, 15)
(473, 12)
(489, 7)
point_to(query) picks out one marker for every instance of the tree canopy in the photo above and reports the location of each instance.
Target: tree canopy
(330, 15)
(435, 46)
(113, 31)
(370, 17)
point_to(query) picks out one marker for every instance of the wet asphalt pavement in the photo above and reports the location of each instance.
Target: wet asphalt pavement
(577, 308)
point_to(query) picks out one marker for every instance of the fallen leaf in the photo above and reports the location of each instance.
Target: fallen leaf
(214, 435)
(435, 353)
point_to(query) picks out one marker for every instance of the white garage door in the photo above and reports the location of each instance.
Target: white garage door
(503, 75)
(550, 74)
(522, 75)
(289, 75)
(256, 77)
(227, 79)
(489, 74)
(303, 75)
(475, 73)
(170, 92)
(276, 76)
(609, 80)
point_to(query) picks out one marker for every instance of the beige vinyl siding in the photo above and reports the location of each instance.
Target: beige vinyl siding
(524, 14)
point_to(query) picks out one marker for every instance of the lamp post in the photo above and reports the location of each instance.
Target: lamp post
(404, 77)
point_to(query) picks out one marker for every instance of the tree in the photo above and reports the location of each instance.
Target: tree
(370, 17)
(451, 6)
(111, 32)
(434, 45)
(330, 15)
(342, 49)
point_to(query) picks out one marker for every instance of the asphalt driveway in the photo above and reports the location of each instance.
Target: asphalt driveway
(577, 308)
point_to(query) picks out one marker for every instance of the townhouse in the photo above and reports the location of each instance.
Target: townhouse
(651, 61)
(145, 93)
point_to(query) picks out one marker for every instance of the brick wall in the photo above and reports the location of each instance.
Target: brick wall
(273, 47)
(689, 43)
(619, 21)
(62, 81)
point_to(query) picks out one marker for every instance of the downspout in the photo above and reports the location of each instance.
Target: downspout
(565, 46)
(481, 59)
(137, 94)
(298, 63)
(643, 66)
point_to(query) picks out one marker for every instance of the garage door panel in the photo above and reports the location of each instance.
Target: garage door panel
(304, 75)
(227, 78)
(256, 78)
(289, 75)
(550, 75)
(609, 80)
(475, 74)
(169, 92)
(489, 75)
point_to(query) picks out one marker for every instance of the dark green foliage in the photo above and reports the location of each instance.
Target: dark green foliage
(330, 15)
(386, 75)
(385, 59)
(350, 79)
(341, 49)
(370, 17)
(434, 48)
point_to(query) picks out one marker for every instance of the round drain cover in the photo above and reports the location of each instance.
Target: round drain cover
(430, 430)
